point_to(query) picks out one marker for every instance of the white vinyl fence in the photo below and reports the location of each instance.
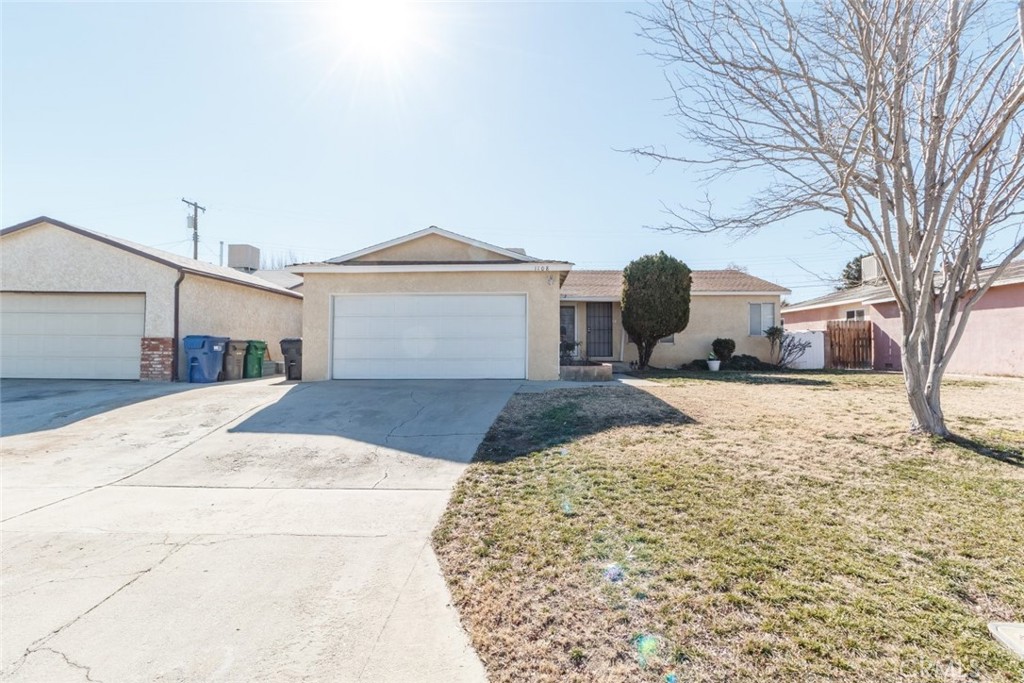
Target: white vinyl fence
(814, 357)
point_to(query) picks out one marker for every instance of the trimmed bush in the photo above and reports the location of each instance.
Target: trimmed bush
(723, 349)
(745, 363)
(655, 301)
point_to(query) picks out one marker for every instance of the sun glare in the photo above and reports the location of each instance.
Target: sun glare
(375, 50)
(379, 32)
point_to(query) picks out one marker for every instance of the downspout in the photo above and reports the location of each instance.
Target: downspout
(177, 343)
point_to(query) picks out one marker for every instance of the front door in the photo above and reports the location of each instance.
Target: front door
(599, 329)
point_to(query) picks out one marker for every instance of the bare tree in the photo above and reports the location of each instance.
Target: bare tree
(277, 260)
(899, 117)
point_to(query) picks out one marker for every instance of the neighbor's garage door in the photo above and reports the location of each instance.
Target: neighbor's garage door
(429, 336)
(71, 336)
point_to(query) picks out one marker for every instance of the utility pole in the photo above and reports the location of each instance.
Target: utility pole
(221, 252)
(194, 220)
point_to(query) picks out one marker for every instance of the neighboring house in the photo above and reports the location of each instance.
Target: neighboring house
(723, 303)
(82, 305)
(992, 344)
(432, 304)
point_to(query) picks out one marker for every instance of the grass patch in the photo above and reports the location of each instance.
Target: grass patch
(759, 531)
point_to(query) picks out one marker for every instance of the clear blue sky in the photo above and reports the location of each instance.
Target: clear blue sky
(302, 136)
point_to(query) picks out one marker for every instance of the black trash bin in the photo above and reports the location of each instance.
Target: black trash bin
(234, 359)
(292, 351)
(205, 357)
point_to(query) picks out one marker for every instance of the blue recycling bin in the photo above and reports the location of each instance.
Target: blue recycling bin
(205, 357)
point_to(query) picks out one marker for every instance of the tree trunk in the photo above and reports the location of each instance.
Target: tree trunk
(924, 397)
(645, 349)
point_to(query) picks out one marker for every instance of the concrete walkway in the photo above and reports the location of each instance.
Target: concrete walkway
(251, 531)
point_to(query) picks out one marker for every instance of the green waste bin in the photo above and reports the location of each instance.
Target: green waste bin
(234, 359)
(254, 358)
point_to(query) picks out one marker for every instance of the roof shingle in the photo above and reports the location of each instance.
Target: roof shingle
(608, 283)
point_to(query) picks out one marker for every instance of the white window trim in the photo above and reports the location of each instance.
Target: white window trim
(760, 305)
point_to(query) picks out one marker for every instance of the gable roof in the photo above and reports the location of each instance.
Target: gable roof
(281, 277)
(879, 293)
(166, 258)
(853, 295)
(607, 284)
(511, 254)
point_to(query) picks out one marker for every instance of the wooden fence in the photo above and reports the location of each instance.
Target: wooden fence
(849, 344)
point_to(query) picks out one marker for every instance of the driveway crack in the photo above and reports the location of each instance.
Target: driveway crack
(381, 480)
(394, 606)
(419, 411)
(36, 586)
(41, 642)
(70, 662)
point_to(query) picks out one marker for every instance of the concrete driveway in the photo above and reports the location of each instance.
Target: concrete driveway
(238, 532)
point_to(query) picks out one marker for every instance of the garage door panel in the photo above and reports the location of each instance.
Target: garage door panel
(365, 327)
(365, 348)
(346, 306)
(72, 336)
(421, 348)
(504, 327)
(412, 307)
(429, 336)
(496, 348)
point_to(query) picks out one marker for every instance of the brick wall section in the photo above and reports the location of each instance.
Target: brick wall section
(157, 359)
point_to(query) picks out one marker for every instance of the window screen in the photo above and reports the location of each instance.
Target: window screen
(762, 316)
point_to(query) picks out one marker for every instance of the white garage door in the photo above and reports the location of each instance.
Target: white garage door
(449, 336)
(71, 336)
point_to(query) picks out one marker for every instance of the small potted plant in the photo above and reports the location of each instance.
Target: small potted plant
(713, 362)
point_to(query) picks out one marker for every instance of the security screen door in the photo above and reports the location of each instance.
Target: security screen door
(599, 329)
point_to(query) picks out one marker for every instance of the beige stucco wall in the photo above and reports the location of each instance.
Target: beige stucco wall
(541, 289)
(432, 248)
(710, 317)
(47, 258)
(224, 309)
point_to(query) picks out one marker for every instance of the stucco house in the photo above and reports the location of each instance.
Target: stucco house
(992, 344)
(435, 304)
(723, 303)
(78, 304)
(431, 304)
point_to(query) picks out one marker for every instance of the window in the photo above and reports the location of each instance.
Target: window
(855, 315)
(762, 316)
(567, 315)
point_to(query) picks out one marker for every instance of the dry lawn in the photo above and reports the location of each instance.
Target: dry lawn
(781, 528)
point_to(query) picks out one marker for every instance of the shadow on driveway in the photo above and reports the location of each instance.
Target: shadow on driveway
(34, 405)
(433, 418)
